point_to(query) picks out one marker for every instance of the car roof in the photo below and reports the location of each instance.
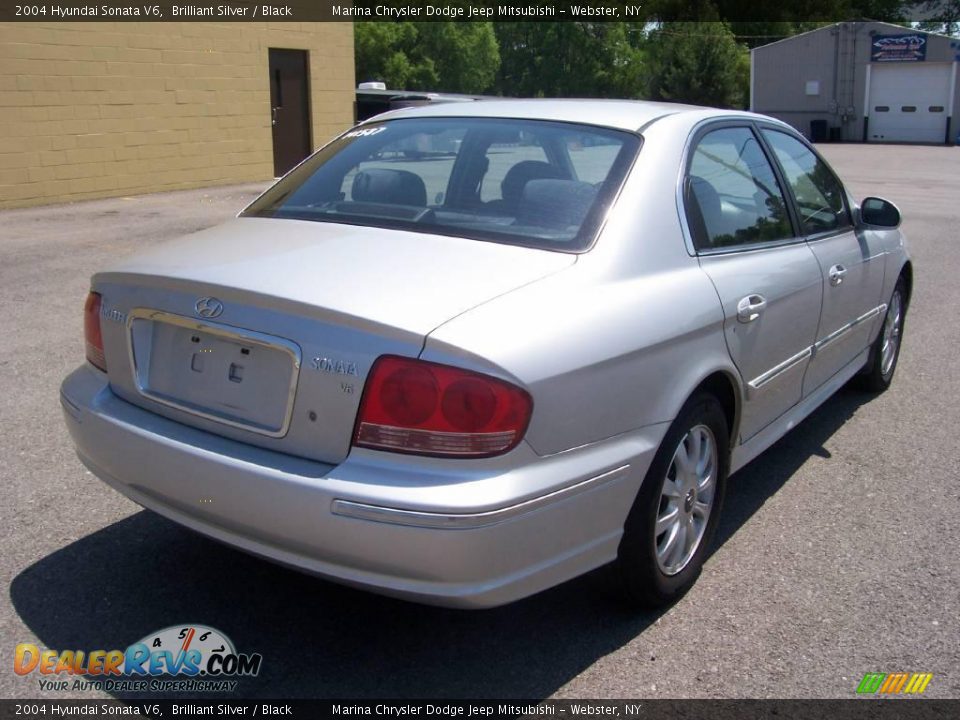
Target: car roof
(620, 114)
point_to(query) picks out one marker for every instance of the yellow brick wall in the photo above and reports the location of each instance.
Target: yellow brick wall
(100, 109)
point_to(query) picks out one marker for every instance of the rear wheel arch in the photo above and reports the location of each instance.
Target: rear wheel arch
(726, 390)
(906, 273)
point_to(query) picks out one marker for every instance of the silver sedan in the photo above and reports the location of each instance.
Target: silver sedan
(466, 352)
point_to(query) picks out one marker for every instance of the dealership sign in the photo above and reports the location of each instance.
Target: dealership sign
(898, 48)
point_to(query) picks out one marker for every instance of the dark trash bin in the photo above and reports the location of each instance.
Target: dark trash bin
(818, 131)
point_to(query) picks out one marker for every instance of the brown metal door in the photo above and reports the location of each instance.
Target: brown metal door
(290, 108)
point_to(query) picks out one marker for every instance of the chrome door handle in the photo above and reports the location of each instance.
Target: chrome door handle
(750, 307)
(836, 274)
(273, 115)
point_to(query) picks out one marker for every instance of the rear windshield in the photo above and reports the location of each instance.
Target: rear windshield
(534, 183)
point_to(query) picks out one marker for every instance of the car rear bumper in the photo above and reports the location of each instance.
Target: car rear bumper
(446, 532)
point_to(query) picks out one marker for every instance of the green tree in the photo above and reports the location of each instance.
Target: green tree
(570, 59)
(383, 52)
(447, 56)
(755, 34)
(466, 54)
(943, 16)
(699, 63)
(892, 11)
(805, 12)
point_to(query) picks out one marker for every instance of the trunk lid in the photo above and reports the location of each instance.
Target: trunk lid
(306, 309)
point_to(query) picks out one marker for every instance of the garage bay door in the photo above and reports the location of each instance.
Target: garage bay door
(908, 102)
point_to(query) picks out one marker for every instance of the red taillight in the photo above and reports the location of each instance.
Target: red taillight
(415, 406)
(91, 331)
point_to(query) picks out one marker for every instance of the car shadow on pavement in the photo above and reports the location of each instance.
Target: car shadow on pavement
(749, 489)
(321, 640)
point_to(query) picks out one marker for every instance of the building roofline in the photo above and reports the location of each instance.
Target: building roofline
(863, 21)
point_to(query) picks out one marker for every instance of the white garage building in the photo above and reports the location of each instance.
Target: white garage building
(861, 82)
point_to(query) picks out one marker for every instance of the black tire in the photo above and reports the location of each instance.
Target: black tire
(644, 580)
(878, 373)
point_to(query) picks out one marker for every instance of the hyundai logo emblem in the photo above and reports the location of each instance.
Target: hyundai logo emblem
(208, 307)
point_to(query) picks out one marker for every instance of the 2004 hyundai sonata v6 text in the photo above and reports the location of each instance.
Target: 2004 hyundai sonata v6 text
(466, 352)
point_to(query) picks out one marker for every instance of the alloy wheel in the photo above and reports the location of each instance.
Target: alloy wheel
(891, 333)
(686, 500)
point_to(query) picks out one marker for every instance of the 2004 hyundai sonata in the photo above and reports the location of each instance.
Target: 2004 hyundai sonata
(466, 352)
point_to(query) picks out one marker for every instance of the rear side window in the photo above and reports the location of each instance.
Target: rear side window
(819, 195)
(536, 183)
(732, 195)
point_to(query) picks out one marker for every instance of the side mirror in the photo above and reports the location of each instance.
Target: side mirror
(879, 213)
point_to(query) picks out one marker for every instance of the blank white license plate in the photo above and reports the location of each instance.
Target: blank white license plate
(225, 374)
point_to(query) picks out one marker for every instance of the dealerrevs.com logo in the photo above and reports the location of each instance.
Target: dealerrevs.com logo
(187, 658)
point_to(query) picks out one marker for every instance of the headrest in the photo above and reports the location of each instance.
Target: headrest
(708, 215)
(523, 172)
(393, 187)
(556, 203)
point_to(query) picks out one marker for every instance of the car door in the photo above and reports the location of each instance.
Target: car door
(766, 277)
(852, 266)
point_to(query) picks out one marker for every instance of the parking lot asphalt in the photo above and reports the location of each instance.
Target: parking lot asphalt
(836, 556)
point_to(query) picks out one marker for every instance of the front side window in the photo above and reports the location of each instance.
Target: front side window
(536, 183)
(819, 195)
(732, 195)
